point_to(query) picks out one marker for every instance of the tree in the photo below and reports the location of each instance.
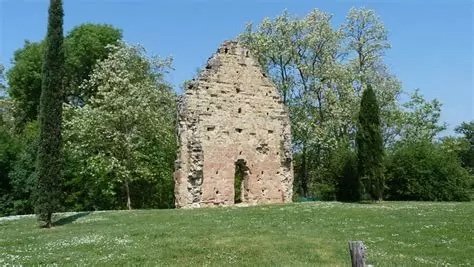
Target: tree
(369, 144)
(419, 118)
(366, 41)
(24, 80)
(49, 150)
(316, 46)
(83, 47)
(123, 137)
(467, 156)
(367, 37)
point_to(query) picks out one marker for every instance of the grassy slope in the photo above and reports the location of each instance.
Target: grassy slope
(395, 233)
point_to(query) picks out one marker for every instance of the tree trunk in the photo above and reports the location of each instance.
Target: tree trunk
(49, 222)
(127, 191)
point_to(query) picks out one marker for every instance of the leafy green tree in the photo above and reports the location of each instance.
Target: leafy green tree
(123, 137)
(370, 149)
(83, 46)
(49, 149)
(366, 41)
(24, 80)
(467, 156)
(422, 170)
(419, 118)
(367, 38)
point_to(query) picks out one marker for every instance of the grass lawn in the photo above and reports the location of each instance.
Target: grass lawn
(313, 233)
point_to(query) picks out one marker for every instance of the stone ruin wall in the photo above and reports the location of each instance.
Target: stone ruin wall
(232, 111)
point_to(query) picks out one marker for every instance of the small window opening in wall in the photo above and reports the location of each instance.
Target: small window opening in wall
(207, 87)
(217, 192)
(217, 172)
(267, 113)
(262, 172)
(238, 130)
(246, 53)
(237, 90)
(239, 110)
(240, 153)
(211, 128)
(226, 50)
(270, 131)
(278, 153)
(207, 109)
(266, 94)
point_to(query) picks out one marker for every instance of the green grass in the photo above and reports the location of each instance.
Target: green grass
(395, 233)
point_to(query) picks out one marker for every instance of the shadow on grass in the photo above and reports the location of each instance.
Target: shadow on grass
(71, 218)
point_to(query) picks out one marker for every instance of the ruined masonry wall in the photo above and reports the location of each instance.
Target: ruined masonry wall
(232, 111)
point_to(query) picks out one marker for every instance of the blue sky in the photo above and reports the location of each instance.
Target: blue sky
(432, 41)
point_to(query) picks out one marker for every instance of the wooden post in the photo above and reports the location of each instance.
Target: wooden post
(357, 251)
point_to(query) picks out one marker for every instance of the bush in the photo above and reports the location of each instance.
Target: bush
(349, 185)
(8, 151)
(425, 171)
(23, 175)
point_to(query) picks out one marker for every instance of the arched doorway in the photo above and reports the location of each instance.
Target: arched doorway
(240, 180)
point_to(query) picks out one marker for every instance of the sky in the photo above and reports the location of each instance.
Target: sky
(432, 41)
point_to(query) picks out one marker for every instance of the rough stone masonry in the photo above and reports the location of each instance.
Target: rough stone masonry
(234, 135)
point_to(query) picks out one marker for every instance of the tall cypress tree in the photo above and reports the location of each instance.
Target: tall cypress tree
(369, 144)
(48, 165)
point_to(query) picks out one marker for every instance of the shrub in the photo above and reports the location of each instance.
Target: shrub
(349, 185)
(426, 171)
